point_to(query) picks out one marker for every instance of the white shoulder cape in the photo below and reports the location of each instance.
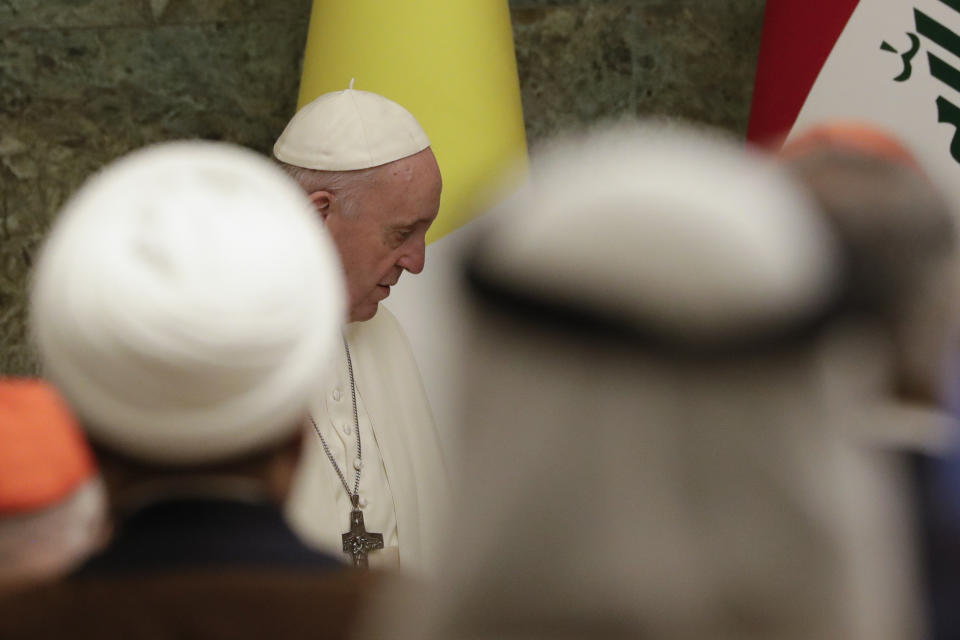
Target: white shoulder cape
(389, 383)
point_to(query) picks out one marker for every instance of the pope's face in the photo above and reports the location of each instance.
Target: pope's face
(384, 233)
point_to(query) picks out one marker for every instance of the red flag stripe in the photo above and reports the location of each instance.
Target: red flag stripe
(798, 36)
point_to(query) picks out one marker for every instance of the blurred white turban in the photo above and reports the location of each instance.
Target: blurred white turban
(187, 303)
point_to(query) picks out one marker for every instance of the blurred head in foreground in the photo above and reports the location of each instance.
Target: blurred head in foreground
(186, 304)
(51, 500)
(649, 446)
(900, 236)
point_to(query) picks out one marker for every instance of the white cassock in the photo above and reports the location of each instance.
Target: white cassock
(404, 484)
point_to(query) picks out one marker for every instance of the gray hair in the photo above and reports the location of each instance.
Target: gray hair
(346, 185)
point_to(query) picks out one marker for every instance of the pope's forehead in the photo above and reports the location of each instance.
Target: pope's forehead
(420, 166)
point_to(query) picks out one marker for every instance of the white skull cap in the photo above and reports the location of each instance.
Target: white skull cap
(349, 130)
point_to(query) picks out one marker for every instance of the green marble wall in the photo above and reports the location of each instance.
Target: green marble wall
(84, 81)
(582, 61)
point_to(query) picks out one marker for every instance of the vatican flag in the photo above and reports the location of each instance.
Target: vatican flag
(451, 63)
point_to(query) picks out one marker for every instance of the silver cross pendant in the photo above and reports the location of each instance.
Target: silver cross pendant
(358, 542)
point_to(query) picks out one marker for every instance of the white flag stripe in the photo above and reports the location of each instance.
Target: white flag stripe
(856, 83)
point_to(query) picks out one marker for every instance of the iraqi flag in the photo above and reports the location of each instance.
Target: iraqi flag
(891, 63)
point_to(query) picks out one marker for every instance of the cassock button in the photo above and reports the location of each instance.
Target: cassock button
(357, 464)
(336, 395)
(363, 502)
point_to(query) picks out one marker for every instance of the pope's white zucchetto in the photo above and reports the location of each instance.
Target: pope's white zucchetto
(187, 303)
(349, 130)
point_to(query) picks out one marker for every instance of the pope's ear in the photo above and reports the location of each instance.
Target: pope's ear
(322, 201)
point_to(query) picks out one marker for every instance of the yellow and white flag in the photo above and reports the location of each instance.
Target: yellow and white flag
(451, 63)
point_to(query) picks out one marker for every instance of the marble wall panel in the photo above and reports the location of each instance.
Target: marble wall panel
(183, 11)
(582, 61)
(575, 65)
(696, 60)
(72, 99)
(73, 14)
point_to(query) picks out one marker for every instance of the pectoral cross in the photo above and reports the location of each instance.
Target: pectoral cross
(357, 542)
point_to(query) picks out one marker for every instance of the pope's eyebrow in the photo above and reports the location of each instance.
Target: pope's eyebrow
(406, 225)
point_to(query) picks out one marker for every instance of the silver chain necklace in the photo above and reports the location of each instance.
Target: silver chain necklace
(357, 542)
